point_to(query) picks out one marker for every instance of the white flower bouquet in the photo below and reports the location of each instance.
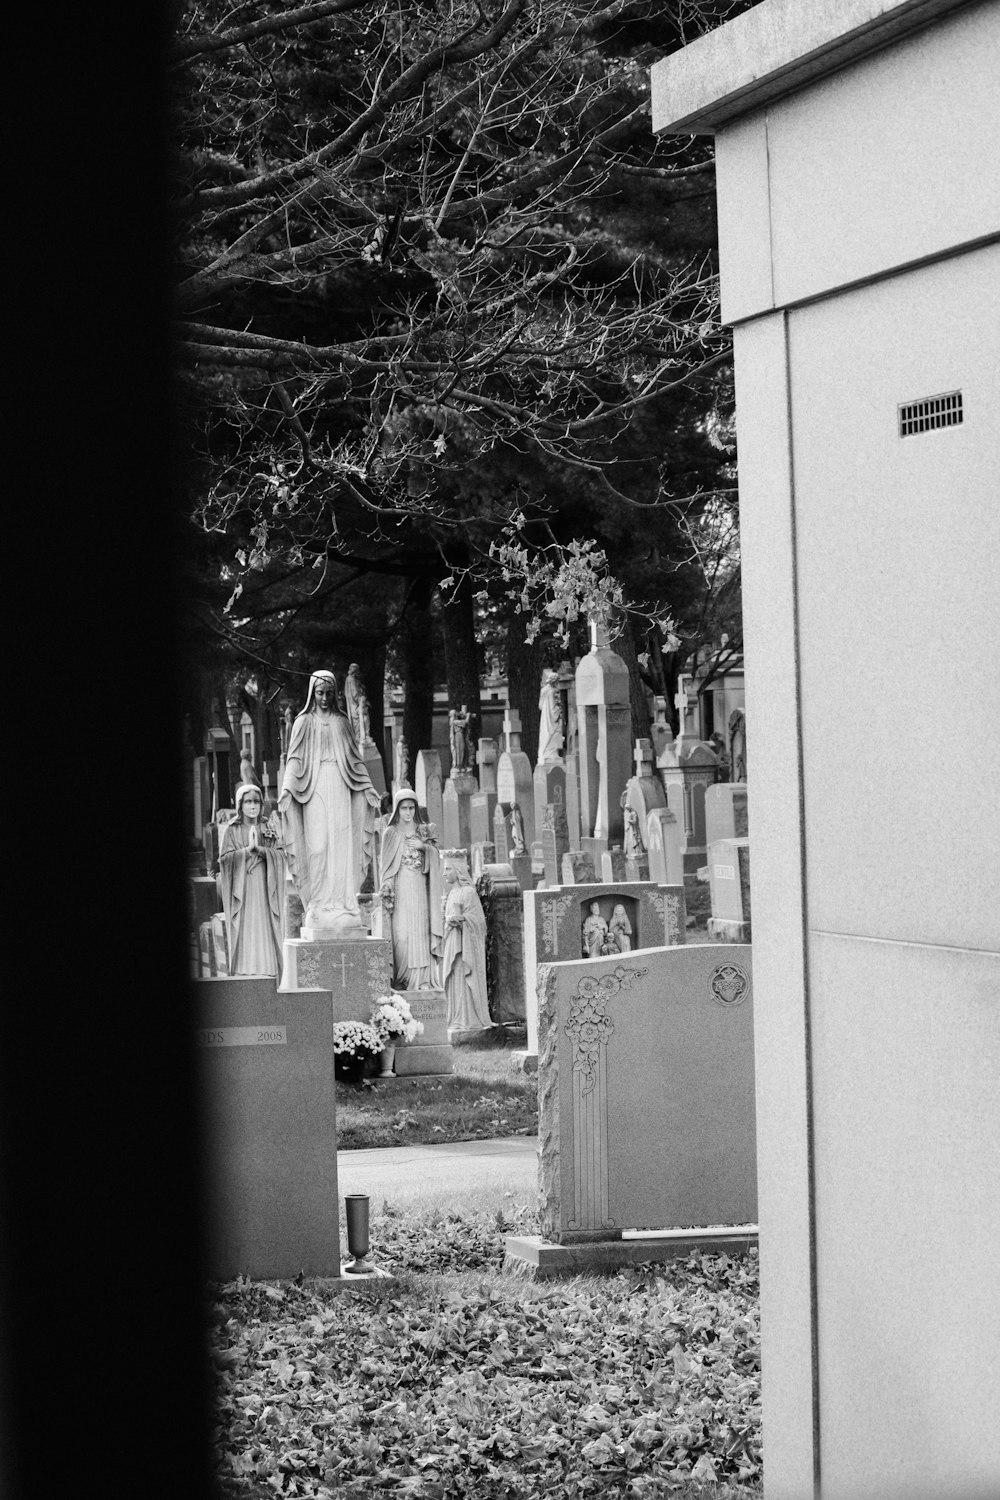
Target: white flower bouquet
(393, 1019)
(352, 1038)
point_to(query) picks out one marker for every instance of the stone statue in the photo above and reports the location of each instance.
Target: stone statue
(402, 759)
(252, 869)
(247, 772)
(634, 845)
(463, 967)
(328, 809)
(410, 891)
(595, 930)
(518, 845)
(354, 696)
(458, 725)
(550, 723)
(620, 929)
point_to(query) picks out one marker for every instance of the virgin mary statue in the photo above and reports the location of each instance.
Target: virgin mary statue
(329, 809)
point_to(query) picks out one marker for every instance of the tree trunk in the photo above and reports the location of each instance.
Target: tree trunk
(461, 656)
(417, 657)
(524, 680)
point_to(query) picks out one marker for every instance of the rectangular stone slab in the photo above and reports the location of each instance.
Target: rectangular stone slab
(356, 971)
(269, 1128)
(646, 1092)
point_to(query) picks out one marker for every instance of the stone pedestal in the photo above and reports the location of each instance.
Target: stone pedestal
(523, 873)
(726, 812)
(430, 1053)
(549, 786)
(613, 865)
(459, 790)
(270, 1129)
(555, 841)
(665, 846)
(514, 781)
(356, 971)
(428, 786)
(687, 770)
(604, 727)
(500, 892)
(373, 765)
(481, 809)
(729, 878)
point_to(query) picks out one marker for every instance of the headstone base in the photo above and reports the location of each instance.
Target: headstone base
(524, 1062)
(523, 872)
(348, 928)
(412, 1061)
(535, 1259)
(723, 930)
(430, 1052)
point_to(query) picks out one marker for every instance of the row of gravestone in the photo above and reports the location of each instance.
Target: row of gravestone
(646, 1115)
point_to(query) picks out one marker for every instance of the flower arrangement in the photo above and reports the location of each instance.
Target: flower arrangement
(352, 1038)
(393, 1018)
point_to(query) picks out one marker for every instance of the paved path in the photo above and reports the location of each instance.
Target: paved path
(400, 1172)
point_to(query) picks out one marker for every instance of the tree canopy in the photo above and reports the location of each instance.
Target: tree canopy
(447, 327)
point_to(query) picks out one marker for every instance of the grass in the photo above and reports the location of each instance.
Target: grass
(485, 1099)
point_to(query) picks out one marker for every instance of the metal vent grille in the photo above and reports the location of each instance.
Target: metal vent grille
(933, 411)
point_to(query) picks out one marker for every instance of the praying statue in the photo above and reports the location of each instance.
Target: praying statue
(550, 723)
(463, 966)
(328, 809)
(410, 892)
(620, 929)
(252, 870)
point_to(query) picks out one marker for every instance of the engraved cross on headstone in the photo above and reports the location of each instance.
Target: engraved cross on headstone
(344, 967)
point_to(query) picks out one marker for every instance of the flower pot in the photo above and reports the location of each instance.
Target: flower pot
(388, 1053)
(349, 1067)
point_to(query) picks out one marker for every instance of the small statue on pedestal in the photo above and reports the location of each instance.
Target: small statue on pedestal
(620, 929)
(410, 892)
(252, 868)
(464, 959)
(458, 735)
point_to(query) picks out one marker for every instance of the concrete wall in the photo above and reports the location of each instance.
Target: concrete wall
(876, 872)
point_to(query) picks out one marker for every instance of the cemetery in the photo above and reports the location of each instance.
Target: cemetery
(469, 797)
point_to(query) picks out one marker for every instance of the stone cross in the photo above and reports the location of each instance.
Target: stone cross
(512, 729)
(643, 758)
(600, 636)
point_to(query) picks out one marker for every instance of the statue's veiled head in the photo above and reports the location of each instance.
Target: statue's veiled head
(322, 693)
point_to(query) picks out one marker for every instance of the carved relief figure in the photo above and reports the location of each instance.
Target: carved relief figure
(550, 723)
(620, 928)
(595, 930)
(328, 809)
(464, 959)
(252, 868)
(410, 890)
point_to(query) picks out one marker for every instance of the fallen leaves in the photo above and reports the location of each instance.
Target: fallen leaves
(462, 1382)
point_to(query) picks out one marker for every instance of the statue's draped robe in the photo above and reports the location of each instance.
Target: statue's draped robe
(253, 890)
(328, 810)
(413, 869)
(550, 735)
(464, 961)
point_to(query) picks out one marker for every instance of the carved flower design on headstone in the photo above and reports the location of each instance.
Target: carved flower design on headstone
(589, 1024)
